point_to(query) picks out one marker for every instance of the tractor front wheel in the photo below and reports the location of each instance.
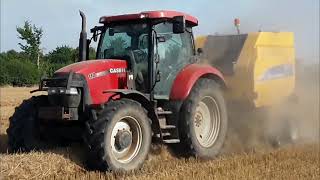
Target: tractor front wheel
(24, 129)
(120, 137)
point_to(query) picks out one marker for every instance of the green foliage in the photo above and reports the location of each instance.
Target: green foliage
(12, 54)
(20, 68)
(18, 73)
(32, 36)
(17, 70)
(48, 69)
(61, 55)
(92, 53)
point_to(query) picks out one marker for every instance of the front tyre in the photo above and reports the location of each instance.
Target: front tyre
(24, 129)
(120, 138)
(203, 125)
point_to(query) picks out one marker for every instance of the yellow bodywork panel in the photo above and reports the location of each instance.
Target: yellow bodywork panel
(264, 72)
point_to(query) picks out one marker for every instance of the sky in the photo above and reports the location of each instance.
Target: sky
(61, 22)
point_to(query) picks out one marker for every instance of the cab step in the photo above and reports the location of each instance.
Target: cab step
(164, 112)
(171, 141)
(165, 134)
(168, 127)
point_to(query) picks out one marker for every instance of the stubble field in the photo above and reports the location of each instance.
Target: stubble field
(239, 160)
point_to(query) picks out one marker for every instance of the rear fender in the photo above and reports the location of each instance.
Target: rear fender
(188, 76)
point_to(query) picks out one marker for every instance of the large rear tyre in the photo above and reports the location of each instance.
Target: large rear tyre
(120, 137)
(203, 125)
(23, 132)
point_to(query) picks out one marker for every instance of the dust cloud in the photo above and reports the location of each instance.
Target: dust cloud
(307, 88)
(256, 129)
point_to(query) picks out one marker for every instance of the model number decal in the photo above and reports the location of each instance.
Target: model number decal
(104, 73)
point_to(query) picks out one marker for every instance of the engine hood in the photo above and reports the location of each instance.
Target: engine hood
(100, 75)
(93, 66)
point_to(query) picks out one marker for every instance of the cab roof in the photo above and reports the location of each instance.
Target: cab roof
(150, 15)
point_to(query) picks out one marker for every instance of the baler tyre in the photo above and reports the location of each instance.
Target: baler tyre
(204, 122)
(120, 137)
(23, 132)
(286, 133)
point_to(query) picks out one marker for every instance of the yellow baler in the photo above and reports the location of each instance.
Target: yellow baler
(259, 67)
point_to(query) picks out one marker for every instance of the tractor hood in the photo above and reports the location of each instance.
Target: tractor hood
(94, 66)
(100, 75)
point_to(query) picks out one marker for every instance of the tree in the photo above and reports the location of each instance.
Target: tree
(32, 36)
(16, 71)
(61, 55)
(12, 54)
(92, 53)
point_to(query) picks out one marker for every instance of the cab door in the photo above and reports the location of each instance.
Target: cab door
(174, 51)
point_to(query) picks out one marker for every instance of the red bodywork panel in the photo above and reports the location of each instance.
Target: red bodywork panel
(149, 14)
(187, 77)
(99, 78)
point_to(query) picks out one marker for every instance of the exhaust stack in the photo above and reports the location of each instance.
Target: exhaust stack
(83, 39)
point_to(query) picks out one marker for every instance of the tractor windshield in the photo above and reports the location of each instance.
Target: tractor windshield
(127, 41)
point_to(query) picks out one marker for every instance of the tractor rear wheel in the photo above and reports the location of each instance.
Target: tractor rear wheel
(120, 137)
(23, 132)
(203, 125)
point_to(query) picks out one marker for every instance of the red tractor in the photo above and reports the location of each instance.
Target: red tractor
(146, 85)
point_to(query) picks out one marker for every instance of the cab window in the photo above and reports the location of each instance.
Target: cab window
(175, 52)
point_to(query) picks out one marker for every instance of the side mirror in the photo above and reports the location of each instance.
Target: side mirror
(179, 24)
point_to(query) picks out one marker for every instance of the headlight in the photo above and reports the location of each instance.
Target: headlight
(61, 90)
(73, 91)
(53, 90)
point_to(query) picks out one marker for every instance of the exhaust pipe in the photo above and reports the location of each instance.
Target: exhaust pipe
(83, 39)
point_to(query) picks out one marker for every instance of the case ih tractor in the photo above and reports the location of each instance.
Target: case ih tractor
(146, 85)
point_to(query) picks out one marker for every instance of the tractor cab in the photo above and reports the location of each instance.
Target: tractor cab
(156, 45)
